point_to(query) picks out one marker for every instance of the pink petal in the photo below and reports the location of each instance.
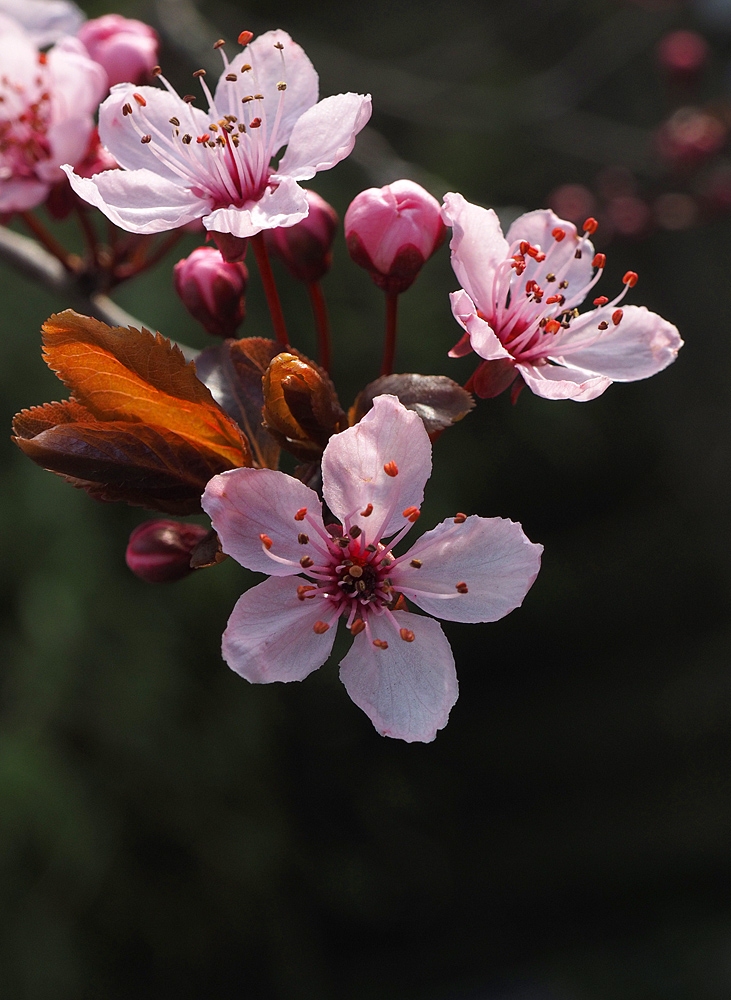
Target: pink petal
(44, 20)
(324, 135)
(482, 337)
(284, 205)
(353, 473)
(537, 227)
(69, 142)
(559, 382)
(641, 345)
(491, 555)
(139, 201)
(78, 83)
(269, 67)
(246, 503)
(477, 246)
(408, 689)
(270, 636)
(18, 195)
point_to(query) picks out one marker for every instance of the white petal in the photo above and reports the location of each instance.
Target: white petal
(45, 20)
(536, 227)
(138, 200)
(641, 345)
(491, 555)
(559, 382)
(281, 206)
(353, 473)
(477, 246)
(482, 337)
(270, 636)
(408, 689)
(324, 135)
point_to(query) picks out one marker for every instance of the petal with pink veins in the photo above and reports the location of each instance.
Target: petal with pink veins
(270, 635)
(283, 205)
(246, 503)
(537, 228)
(354, 468)
(324, 135)
(641, 345)
(408, 689)
(491, 556)
(477, 246)
(559, 382)
(482, 337)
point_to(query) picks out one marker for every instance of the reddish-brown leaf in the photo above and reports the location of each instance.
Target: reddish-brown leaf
(438, 400)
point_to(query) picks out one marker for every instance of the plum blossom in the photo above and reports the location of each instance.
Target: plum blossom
(400, 668)
(182, 163)
(47, 103)
(125, 47)
(44, 20)
(518, 305)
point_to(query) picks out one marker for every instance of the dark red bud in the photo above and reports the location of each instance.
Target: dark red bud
(159, 551)
(305, 248)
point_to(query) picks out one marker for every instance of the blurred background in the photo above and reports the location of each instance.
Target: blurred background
(168, 830)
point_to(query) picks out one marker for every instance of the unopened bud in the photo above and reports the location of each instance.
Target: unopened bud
(159, 551)
(127, 49)
(391, 232)
(212, 290)
(305, 248)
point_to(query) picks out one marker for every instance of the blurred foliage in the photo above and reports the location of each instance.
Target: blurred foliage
(167, 830)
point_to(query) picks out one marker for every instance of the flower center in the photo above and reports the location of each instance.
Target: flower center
(24, 120)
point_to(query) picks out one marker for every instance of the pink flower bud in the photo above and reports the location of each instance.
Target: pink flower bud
(159, 551)
(212, 290)
(391, 231)
(305, 248)
(127, 49)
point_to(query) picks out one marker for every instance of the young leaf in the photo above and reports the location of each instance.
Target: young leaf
(438, 400)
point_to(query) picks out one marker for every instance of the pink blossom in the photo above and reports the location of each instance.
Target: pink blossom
(45, 21)
(182, 163)
(212, 290)
(127, 49)
(47, 101)
(518, 305)
(400, 668)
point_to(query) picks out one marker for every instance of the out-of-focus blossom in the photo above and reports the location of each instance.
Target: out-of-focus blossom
(306, 248)
(400, 668)
(573, 202)
(683, 55)
(61, 199)
(212, 290)
(159, 551)
(690, 137)
(675, 210)
(47, 102)
(518, 306)
(392, 231)
(45, 21)
(629, 216)
(127, 49)
(181, 163)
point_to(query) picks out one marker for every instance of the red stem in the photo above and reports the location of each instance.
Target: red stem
(389, 348)
(322, 322)
(49, 242)
(270, 289)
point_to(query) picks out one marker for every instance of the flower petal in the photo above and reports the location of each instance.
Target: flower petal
(69, 142)
(537, 227)
(559, 382)
(324, 135)
(477, 246)
(270, 637)
(281, 206)
(353, 473)
(641, 345)
(77, 82)
(491, 555)
(482, 337)
(18, 194)
(45, 20)
(246, 503)
(408, 689)
(139, 201)
(269, 67)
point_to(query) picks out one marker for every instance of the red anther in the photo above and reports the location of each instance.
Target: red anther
(319, 628)
(411, 514)
(406, 634)
(601, 301)
(530, 285)
(460, 518)
(380, 644)
(558, 234)
(552, 326)
(357, 627)
(156, 70)
(369, 509)
(265, 541)
(416, 563)
(42, 58)
(255, 123)
(591, 225)
(391, 469)
(145, 139)
(303, 591)
(600, 260)
(245, 37)
(524, 246)
(140, 100)
(306, 562)
(462, 587)
(603, 326)
(203, 138)
(126, 109)
(302, 538)
(554, 298)
(301, 514)
(219, 44)
(617, 317)
(630, 279)
(539, 257)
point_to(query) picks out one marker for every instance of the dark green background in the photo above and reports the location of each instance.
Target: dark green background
(167, 830)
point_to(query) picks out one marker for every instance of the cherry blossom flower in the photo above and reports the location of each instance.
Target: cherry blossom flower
(518, 304)
(182, 163)
(44, 20)
(47, 102)
(400, 668)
